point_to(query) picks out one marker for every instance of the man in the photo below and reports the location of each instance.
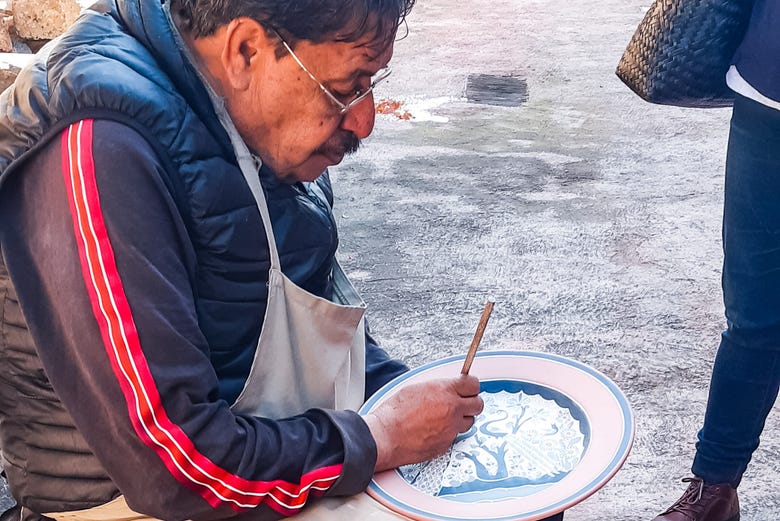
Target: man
(177, 338)
(746, 374)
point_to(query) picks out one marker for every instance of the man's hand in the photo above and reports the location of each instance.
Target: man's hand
(421, 420)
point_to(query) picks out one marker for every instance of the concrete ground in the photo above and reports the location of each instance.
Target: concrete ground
(590, 216)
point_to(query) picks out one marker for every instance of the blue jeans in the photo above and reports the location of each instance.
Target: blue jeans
(746, 374)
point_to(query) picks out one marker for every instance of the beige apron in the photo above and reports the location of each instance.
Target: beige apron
(360, 507)
(311, 351)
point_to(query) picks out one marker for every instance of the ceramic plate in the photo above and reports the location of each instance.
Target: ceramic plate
(552, 433)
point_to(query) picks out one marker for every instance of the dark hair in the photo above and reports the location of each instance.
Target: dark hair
(313, 20)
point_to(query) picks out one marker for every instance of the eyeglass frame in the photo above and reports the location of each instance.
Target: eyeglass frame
(380, 76)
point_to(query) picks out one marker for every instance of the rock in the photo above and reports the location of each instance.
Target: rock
(10, 66)
(6, 43)
(8, 74)
(43, 19)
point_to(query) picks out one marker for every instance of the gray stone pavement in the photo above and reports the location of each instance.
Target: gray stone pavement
(591, 217)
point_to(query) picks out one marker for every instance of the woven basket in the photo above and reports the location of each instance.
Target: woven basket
(680, 53)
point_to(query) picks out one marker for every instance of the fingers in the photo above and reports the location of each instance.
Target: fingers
(465, 424)
(467, 389)
(467, 385)
(472, 406)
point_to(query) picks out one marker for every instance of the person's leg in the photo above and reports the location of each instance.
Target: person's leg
(743, 389)
(746, 373)
(747, 367)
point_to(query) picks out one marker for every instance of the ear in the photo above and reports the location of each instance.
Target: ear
(246, 46)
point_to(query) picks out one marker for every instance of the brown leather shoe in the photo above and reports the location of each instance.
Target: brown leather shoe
(704, 502)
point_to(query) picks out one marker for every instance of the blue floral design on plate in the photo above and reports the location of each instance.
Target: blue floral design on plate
(527, 438)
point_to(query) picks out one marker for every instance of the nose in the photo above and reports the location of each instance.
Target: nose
(359, 119)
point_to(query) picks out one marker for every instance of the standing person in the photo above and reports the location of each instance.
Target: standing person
(746, 374)
(178, 341)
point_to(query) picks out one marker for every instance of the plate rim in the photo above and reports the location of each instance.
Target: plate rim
(622, 450)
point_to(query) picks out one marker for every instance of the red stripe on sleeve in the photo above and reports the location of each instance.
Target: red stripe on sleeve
(120, 338)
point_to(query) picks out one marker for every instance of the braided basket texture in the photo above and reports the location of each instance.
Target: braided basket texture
(682, 49)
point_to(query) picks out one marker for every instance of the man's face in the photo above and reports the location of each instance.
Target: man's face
(286, 118)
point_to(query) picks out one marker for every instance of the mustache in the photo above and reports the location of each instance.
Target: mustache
(347, 142)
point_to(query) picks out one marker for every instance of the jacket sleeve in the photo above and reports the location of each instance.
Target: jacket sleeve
(103, 268)
(380, 368)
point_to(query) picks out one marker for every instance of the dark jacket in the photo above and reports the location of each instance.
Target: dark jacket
(758, 57)
(133, 279)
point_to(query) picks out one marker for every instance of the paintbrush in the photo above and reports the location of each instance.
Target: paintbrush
(477, 337)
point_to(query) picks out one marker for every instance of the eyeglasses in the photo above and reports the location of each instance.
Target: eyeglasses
(360, 95)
